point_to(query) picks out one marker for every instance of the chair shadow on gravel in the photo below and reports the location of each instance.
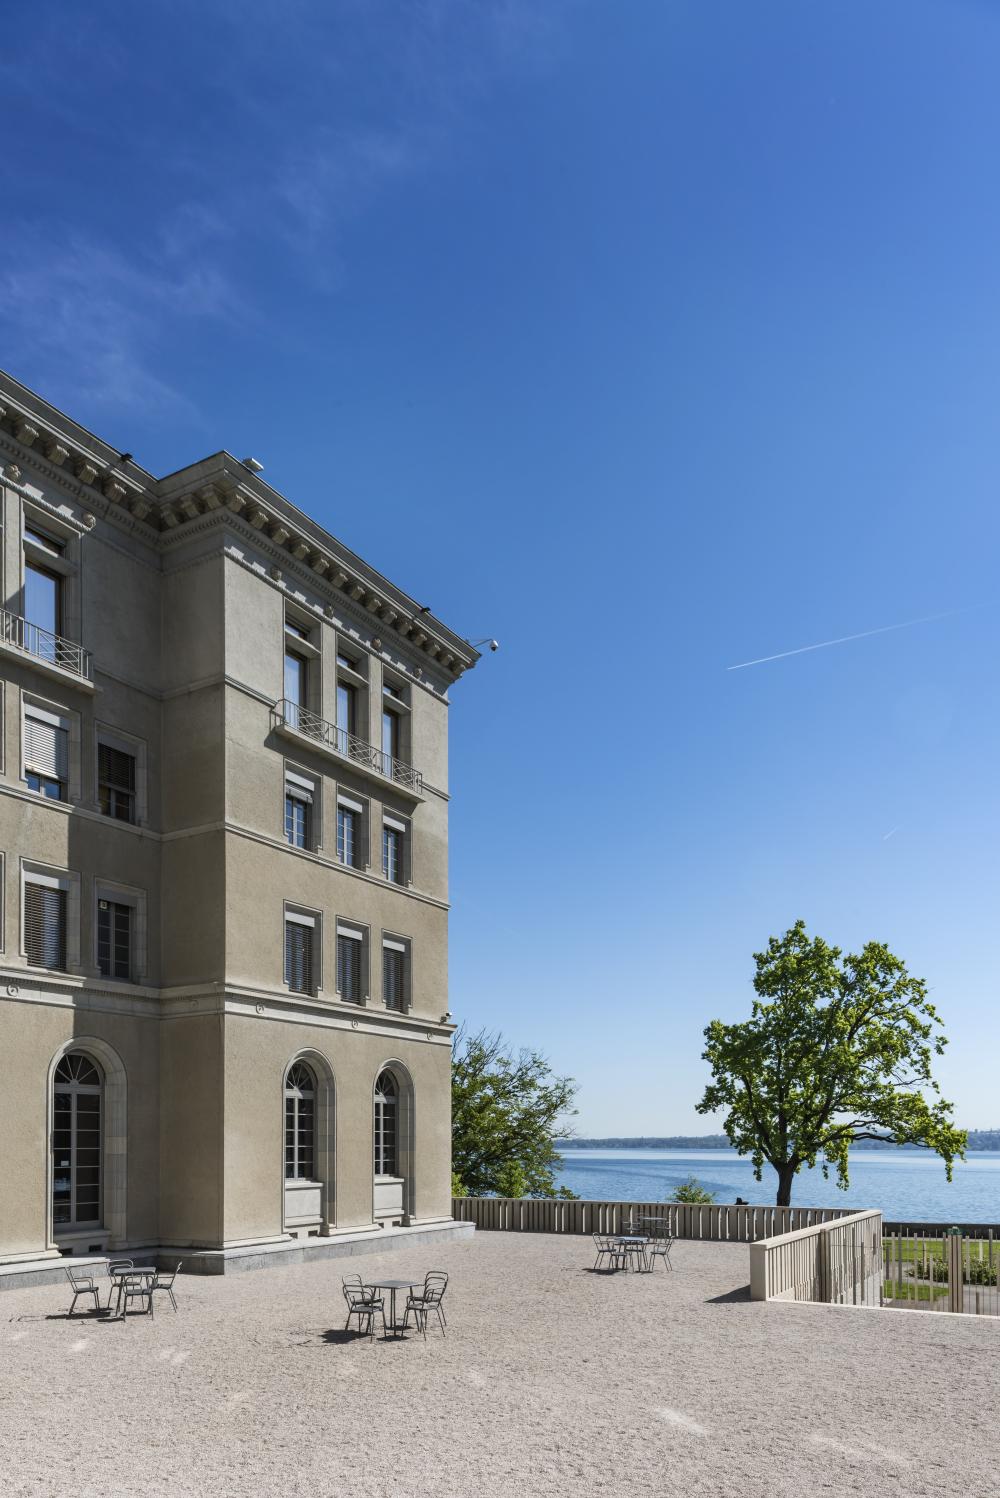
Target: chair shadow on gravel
(337, 1337)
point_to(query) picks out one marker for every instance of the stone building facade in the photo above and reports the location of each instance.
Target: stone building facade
(224, 837)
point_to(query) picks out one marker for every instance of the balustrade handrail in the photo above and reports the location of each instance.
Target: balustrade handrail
(292, 715)
(43, 645)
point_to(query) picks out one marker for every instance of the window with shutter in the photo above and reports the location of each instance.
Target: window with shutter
(116, 782)
(45, 926)
(299, 953)
(46, 754)
(350, 954)
(114, 939)
(394, 976)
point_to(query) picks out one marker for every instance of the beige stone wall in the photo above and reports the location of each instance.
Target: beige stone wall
(185, 626)
(257, 1056)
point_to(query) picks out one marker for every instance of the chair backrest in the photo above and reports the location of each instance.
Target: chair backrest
(80, 1277)
(120, 1264)
(353, 1288)
(163, 1280)
(435, 1284)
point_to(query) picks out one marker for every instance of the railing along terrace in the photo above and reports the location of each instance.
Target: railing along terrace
(834, 1263)
(43, 645)
(930, 1267)
(695, 1220)
(291, 715)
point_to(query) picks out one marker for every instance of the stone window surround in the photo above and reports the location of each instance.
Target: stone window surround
(297, 772)
(116, 738)
(56, 878)
(66, 565)
(403, 944)
(355, 930)
(306, 916)
(70, 720)
(124, 894)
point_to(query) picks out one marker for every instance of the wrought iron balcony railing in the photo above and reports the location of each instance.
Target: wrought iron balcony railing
(52, 649)
(288, 714)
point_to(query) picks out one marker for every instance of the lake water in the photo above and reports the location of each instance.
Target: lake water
(904, 1185)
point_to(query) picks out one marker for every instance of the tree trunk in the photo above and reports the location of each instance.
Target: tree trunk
(786, 1175)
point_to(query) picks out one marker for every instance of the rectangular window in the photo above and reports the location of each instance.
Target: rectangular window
(296, 673)
(394, 850)
(114, 939)
(116, 782)
(45, 925)
(46, 753)
(390, 739)
(42, 599)
(347, 714)
(300, 953)
(394, 974)
(350, 832)
(298, 810)
(350, 964)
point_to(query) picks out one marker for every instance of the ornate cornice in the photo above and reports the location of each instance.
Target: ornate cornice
(221, 487)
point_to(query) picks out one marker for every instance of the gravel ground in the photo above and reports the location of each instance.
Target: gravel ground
(552, 1379)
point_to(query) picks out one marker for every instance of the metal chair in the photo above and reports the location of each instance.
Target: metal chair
(435, 1284)
(659, 1245)
(83, 1283)
(165, 1282)
(606, 1250)
(363, 1303)
(136, 1286)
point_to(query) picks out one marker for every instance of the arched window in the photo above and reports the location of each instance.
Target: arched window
(300, 1123)
(386, 1113)
(76, 1143)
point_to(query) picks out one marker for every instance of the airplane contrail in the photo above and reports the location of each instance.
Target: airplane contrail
(845, 639)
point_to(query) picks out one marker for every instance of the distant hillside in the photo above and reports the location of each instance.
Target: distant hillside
(979, 1139)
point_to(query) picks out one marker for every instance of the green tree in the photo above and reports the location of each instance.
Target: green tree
(836, 1050)
(692, 1190)
(507, 1112)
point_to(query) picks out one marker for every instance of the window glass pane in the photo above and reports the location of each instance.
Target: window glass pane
(345, 707)
(41, 598)
(346, 836)
(295, 678)
(390, 735)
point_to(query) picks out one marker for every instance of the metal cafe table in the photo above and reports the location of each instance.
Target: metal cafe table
(392, 1325)
(629, 1244)
(122, 1279)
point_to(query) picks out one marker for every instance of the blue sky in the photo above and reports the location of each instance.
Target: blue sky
(649, 338)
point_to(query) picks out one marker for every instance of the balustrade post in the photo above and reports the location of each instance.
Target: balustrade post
(956, 1270)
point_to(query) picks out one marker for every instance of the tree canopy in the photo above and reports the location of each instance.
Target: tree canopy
(837, 1049)
(507, 1112)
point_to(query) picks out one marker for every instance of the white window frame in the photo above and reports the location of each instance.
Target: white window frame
(302, 915)
(124, 894)
(62, 717)
(355, 931)
(311, 787)
(114, 738)
(404, 827)
(351, 801)
(54, 878)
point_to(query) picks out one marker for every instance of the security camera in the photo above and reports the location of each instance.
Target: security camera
(494, 644)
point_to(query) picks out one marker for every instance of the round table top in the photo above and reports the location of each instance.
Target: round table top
(392, 1284)
(122, 1273)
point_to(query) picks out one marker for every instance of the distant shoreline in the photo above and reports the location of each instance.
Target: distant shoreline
(979, 1139)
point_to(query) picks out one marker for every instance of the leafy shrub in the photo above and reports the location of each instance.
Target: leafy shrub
(692, 1190)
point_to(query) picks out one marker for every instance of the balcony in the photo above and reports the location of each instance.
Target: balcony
(289, 717)
(51, 653)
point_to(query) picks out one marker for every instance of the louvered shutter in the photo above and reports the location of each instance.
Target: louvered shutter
(299, 957)
(116, 768)
(46, 745)
(45, 926)
(350, 955)
(392, 977)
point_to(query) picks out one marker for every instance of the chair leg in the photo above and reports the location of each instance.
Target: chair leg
(441, 1318)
